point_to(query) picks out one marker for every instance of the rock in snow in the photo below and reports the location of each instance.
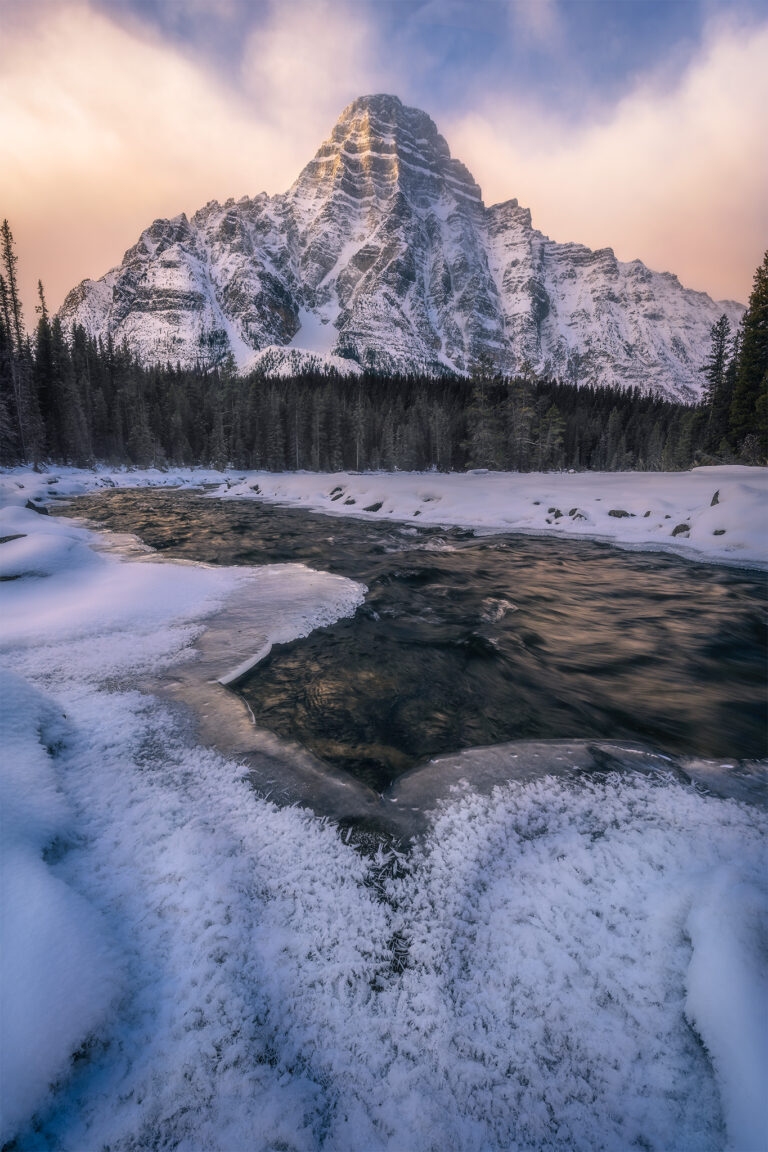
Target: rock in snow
(383, 255)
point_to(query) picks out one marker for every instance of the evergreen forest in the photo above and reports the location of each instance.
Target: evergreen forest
(66, 398)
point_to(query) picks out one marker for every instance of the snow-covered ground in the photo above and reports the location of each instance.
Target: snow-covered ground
(718, 514)
(185, 965)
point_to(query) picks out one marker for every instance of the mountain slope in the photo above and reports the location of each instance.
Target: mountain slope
(382, 254)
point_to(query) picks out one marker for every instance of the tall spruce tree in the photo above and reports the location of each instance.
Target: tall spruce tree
(716, 394)
(484, 432)
(518, 415)
(23, 402)
(749, 408)
(12, 371)
(10, 261)
(43, 376)
(9, 431)
(73, 439)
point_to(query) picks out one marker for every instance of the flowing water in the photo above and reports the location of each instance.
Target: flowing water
(466, 641)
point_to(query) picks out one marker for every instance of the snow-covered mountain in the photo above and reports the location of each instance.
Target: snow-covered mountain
(383, 254)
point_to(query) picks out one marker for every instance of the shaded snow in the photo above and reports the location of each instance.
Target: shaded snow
(727, 1000)
(316, 333)
(58, 976)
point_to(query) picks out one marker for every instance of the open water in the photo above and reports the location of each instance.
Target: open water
(467, 641)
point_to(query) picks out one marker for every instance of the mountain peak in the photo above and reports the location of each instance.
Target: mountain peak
(380, 102)
(383, 255)
(379, 147)
(387, 113)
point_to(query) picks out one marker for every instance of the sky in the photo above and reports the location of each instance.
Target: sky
(634, 124)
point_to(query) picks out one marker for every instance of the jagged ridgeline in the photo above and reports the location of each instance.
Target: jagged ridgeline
(383, 256)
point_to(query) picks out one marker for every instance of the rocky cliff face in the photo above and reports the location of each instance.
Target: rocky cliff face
(383, 255)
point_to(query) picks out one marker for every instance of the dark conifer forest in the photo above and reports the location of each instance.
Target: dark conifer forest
(66, 398)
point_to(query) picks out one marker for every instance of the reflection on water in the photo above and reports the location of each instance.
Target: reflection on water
(469, 641)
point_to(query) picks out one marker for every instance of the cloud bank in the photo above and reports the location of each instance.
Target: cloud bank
(109, 127)
(677, 176)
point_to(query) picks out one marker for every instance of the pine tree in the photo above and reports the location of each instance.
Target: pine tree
(358, 429)
(387, 446)
(217, 452)
(21, 363)
(551, 438)
(440, 435)
(72, 431)
(9, 432)
(716, 394)
(335, 456)
(483, 430)
(43, 376)
(10, 260)
(669, 451)
(275, 434)
(141, 447)
(685, 442)
(749, 408)
(518, 415)
(13, 370)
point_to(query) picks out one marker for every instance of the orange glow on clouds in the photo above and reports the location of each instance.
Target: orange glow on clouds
(103, 128)
(109, 129)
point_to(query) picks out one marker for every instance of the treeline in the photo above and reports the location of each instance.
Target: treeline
(736, 381)
(67, 398)
(91, 402)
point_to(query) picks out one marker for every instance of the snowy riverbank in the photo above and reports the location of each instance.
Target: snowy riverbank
(710, 513)
(718, 514)
(186, 965)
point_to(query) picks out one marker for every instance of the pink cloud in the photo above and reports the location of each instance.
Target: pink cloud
(675, 176)
(108, 127)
